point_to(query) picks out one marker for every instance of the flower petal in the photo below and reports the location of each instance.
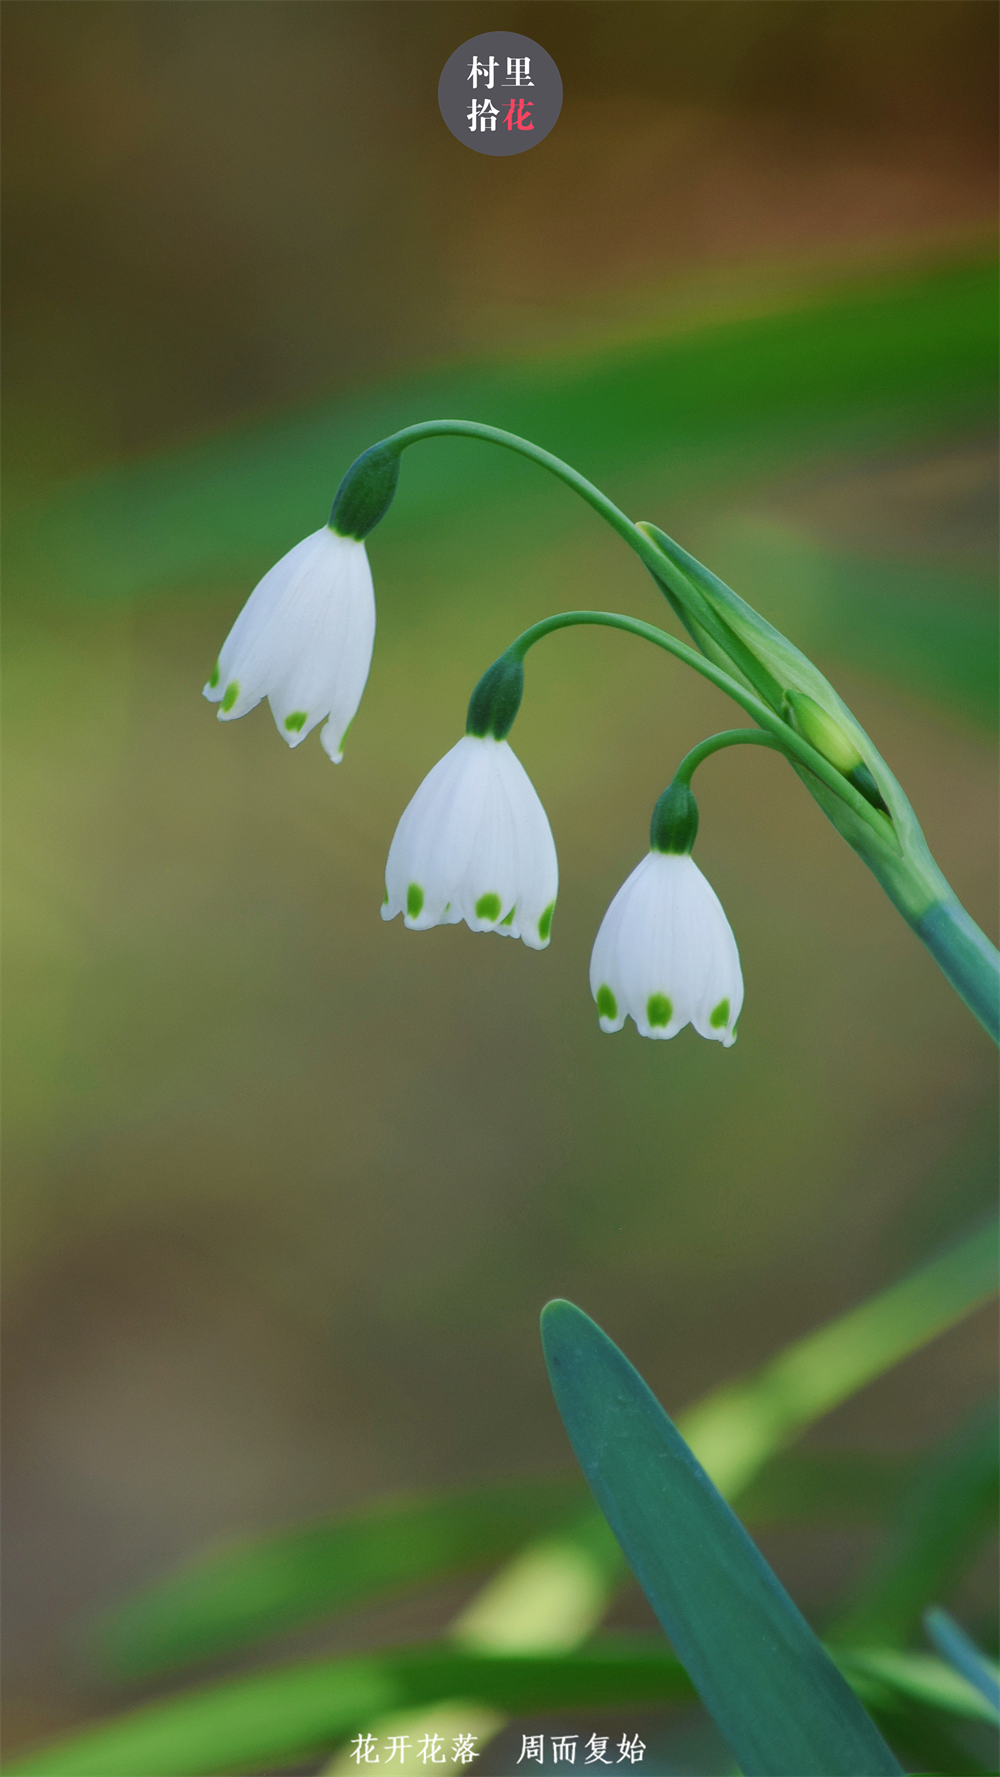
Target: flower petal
(665, 955)
(474, 843)
(303, 640)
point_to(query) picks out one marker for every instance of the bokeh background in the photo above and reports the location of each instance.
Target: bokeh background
(286, 1187)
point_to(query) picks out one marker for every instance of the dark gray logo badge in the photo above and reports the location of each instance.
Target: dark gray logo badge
(500, 93)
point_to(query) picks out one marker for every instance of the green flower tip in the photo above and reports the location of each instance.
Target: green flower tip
(214, 680)
(545, 923)
(296, 721)
(366, 493)
(496, 699)
(414, 899)
(231, 694)
(607, 1005)
(658, 1010)
(488, 907)
(674, 826)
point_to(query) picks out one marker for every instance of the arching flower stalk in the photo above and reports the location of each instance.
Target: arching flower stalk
(475, 844)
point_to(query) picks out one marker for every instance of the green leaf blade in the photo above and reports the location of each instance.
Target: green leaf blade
(962, 1653)
(273, 1584)
(774, 1693)
(949, 1509)
(279, 1717)
(739, 1427)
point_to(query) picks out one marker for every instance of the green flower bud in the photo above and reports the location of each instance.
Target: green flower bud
(674, 826)
(496, 699)
(735, 636)
(366, 493)
(828, 736)
(822, 732)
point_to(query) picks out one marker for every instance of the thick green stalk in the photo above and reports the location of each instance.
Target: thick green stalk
(966, 956)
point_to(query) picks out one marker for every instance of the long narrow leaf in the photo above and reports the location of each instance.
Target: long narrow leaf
(736, 1429)
(773, 1692)
(267, 1586)
(875, 1671)
(261, 1588)
(275, 1718)
(961, 1651)
(951, 1506)
(274, 1584)
(827, 1487)
(285, 1715)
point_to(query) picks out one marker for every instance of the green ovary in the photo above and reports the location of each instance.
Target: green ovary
(658, 1010)
(607, 1005)
(232, 693)
(545, 923)
(720, 1017)
(296, 721)
(488, 907)
(214, 680)
(414, 899)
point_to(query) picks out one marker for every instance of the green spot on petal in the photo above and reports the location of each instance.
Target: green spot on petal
(232, 693)
(296, 721)
(414, 899)
(385, 899)
(488, 907)
(214, 680)
(607, 1005)
(509, 921)
(545, 923)
(658, 1010)
(720, 1016)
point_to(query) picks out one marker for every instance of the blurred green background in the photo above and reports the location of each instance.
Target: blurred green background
(287, 1187)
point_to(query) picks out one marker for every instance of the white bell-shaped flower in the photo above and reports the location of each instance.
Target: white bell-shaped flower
(475, 844)
(304, 641)
(665, 954)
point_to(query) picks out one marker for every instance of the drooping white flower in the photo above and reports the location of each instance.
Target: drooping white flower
(665, 954)
(304, 641)
(475, 844)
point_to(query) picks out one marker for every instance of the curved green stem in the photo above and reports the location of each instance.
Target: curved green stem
(652, 558)
(785, 738)
(647, 551)
(731, 737)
